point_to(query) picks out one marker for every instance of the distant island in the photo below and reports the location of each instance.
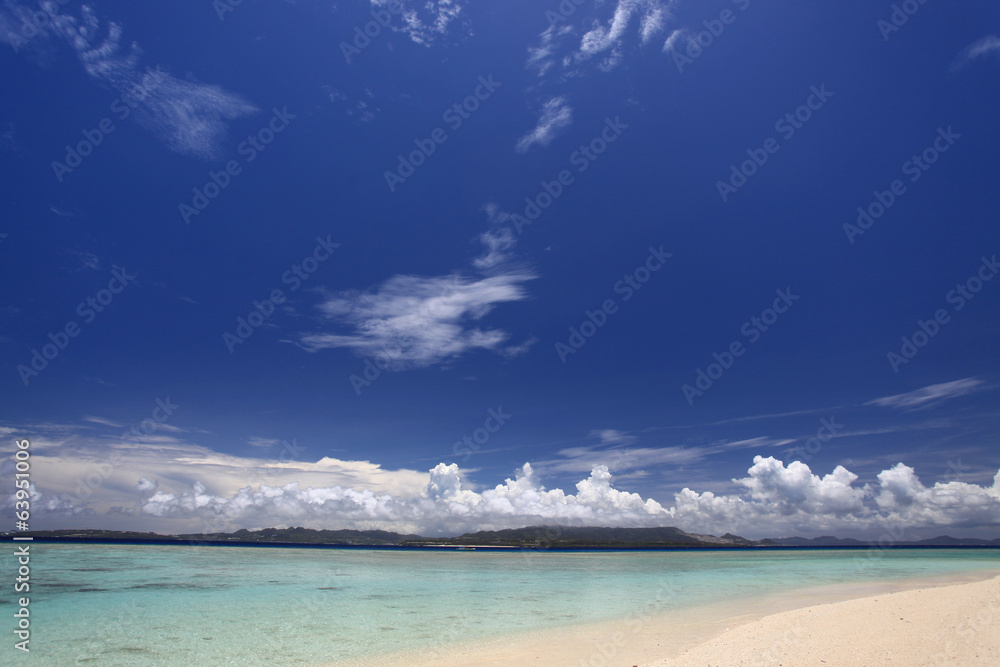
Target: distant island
(531, 537)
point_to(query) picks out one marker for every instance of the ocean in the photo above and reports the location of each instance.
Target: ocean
(189, 605)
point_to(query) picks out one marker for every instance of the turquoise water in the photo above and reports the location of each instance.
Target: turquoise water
(182, 605)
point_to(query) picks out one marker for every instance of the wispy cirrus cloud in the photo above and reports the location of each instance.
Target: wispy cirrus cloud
(983, 48)
(420, 321)
(423, 21)
(617, 453)
(555, 117)
(674, 38)
(651, 16)
(190, 118)
(611, 436)
(930, 395)
(579, 37)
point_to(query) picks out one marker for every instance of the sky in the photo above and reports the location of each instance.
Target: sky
(442, 266)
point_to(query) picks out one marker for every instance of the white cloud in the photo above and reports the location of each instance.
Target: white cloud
(611, 436)
(556, 116)
(603, 34)
(254, 441)
(194, 487)
(906, 501)
(424, 21)
(416, 321)
(444, 506)
(985, 47)
(677, 35)
(930, 395)
(615, 459)
(542, 57)
(102, 421)
(190, 118)
(602, 37)
(144, 485)
(498, 243)
(777, 500)
(78, 471)
(792, 500)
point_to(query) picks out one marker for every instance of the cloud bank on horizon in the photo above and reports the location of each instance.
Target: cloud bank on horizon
(776, 500)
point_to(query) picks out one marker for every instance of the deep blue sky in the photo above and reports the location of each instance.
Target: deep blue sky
(618, 400)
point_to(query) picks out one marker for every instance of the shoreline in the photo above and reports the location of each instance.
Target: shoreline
(758, 630)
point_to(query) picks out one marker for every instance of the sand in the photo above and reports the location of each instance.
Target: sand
(949, 625)
(943, 621)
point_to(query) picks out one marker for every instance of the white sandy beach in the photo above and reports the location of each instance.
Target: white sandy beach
(941, 621)
(946, 625)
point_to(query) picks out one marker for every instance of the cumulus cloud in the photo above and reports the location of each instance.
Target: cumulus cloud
(777, 500)
(190, 118)
(50, 505)
(80, 473)
(784, 500)
(930, 395)
(983, 48)
(415, 321)
(164, 484)
(556, 116)
(444, 506)
(906, 501)
(144, 485)
(424, 21)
